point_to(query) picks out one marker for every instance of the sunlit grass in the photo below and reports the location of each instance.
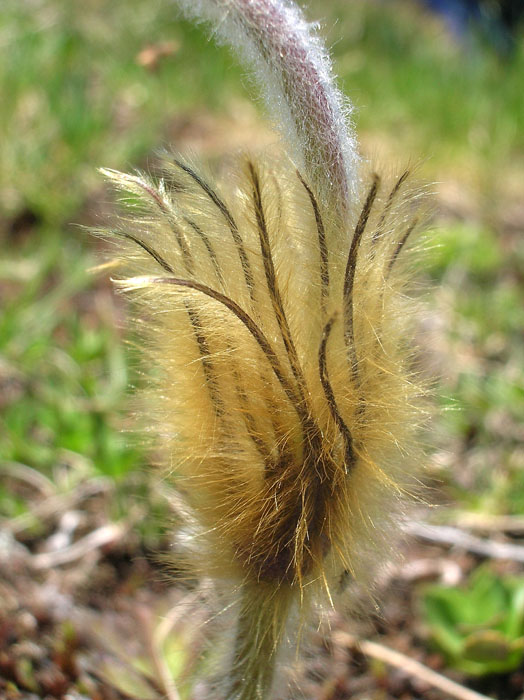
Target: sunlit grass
(479, 301)
(457, 103)
(64, 367)
(74, 95)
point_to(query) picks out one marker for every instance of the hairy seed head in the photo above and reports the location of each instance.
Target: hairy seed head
(276, 334)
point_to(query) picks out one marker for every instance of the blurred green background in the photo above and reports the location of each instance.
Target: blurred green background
(108, 83)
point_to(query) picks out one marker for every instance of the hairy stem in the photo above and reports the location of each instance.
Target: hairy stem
(295, 73)
(260, 627)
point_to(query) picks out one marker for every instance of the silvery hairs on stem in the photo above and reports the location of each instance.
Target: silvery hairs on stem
(275, 331)
(295, 75)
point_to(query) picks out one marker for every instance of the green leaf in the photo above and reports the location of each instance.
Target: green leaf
(479, 626)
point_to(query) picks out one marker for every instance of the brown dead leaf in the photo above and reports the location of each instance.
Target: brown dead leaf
(151, 56)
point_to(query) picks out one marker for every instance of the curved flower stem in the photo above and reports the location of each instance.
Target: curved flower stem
(295, 73)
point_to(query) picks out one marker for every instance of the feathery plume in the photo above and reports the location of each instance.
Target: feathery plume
(277, 333)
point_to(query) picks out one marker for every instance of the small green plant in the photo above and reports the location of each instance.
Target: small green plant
(480, 626)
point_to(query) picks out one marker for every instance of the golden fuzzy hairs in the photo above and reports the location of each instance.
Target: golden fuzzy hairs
(278, 339)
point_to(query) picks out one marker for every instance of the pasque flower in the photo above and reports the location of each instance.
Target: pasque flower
(276, 333)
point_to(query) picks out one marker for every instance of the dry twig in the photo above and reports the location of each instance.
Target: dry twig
(491, 523)
(446, 570)
(30, 476)
(445, 534)
(107, 534)
(57, 503)
(407, 665)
